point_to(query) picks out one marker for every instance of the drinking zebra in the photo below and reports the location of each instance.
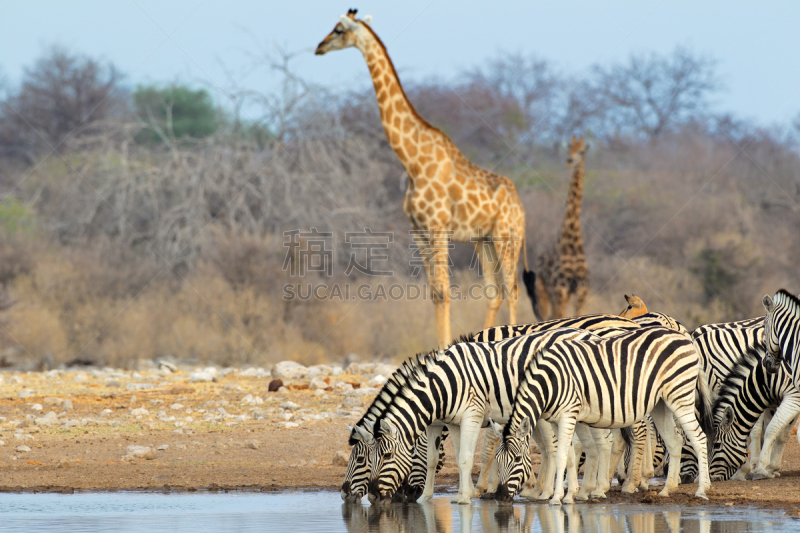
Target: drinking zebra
(611, 383)
(743, 397)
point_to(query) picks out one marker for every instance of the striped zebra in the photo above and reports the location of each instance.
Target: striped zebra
(613, 383)
(356, 479)
(743, 397)
(362, 432)
(782, 331)
(461, 387)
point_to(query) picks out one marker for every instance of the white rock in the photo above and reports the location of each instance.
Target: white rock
(319, 392)
(385, 369)
(289, 370)
(343, 386)
(22, 448)
(318, 383)
(67, 405)
(106, 412)
(211, 370)
(75, 423)
(47, 420)
(166, 365)
(364, 391)
(319, 370)
(351, 402)
(176, 406)
(2, 443)
(377, 381)
(139, 452)
(337, 371)
(202, 377)
(287, 425)
(140, 386)
(81, 377)
(37, 407)
(140, 412)
(163, 447)
(290, 405)
(26, 393)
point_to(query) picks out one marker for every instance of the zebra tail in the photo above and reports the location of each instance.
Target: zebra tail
(627, 435)
(529, 277)
(703, 406)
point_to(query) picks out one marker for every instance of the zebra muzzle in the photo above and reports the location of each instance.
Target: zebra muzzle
(503, 494)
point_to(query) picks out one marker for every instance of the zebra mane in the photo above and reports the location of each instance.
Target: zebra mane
(786, 298)
(654, 318)
(740, 372)
(411, 370)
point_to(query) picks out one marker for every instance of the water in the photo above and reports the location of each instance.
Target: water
(324, 512)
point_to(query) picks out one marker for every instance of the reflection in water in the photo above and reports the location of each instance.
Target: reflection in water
(439, 516)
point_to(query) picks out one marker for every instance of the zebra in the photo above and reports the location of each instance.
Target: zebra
(356, 479)
(782, 331)
(745, 394)
(461, 387)
(599, 382)
(362, 431)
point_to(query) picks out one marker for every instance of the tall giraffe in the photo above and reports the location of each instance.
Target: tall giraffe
(561, 272)
(448, 197)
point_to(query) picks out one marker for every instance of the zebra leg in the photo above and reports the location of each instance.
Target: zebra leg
(602, 439)
(572, 477)
(617, 450)
(665, 424)
(634, 473)
(566, 427)
(776, 460)
(470, 432)
(756, 440)
(488, 464)
(783, 417)
(592, 460)
(647, 461)
(434, 434)
(547, 472)
(691, 429)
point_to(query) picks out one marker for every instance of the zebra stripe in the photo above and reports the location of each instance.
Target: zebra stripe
(744, 395)
(610, 383)
(782, 335)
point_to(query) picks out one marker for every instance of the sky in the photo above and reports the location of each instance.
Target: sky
(217, 43)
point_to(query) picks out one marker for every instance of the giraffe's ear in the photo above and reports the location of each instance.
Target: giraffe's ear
(367, 20)
(347, 22)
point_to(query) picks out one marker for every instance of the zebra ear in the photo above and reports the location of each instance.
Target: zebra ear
(364, 435)
(389, 428)
(769, 305)
(727, 416)
(349, 427)
(497, 429)
(524, 430)
(370, 425)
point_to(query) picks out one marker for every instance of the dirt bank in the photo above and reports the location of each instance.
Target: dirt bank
(225, 434)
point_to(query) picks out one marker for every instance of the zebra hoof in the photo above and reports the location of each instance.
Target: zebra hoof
(598, 495)
(629, 489)
(424, 498)
(755, 476)
(461, 500)
(701, 494)
(488, 496)
(555, 501)
(664, 493)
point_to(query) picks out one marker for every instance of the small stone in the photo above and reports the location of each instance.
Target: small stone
(163, 447)
(176, 406)
(140, 386)
(63, 463)
(51, 401)
(81, 377)
(139, 452)
(318, 383)
(133, 399)
(140, 412)
(340, 458)
(274, 385)
(290, 406)
(166, 365)
(67, 405)
(289, 370)
(2, 443)
(26, 393)
(319, 392)
(343, 386)
(337, 371)
(287, 425)
(253, 444)
(351, 402)
(37, 407)
(377, 381)
(22, 448)
(202, 377)
(47, 420)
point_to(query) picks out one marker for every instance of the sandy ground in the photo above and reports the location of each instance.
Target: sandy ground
(245, 446)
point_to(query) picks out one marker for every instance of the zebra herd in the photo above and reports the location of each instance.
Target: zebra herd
(605, 386)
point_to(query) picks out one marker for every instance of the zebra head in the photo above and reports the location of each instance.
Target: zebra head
(513, 459)
(730, 449)
(356, 479)
(782, 331)
(391, 458)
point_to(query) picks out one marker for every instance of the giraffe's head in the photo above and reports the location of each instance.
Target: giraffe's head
(635, 307)
(348, 32)
(577, 149)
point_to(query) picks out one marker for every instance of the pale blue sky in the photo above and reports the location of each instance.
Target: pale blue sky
(756, 43)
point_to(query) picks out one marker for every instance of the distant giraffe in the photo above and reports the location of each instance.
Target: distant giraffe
(561, 272)
(448, 197)
(635, 307)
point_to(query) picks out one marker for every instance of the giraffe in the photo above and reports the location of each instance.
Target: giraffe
(448, 197)
(635, 307)
(561, 272)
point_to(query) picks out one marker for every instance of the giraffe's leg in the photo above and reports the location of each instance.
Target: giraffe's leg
(558, 301)
(437, 263)
(485, 251)
(508, 250)
(541, 307)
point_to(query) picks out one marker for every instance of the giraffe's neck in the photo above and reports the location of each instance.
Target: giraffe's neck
(400, 121)
(571, 238)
